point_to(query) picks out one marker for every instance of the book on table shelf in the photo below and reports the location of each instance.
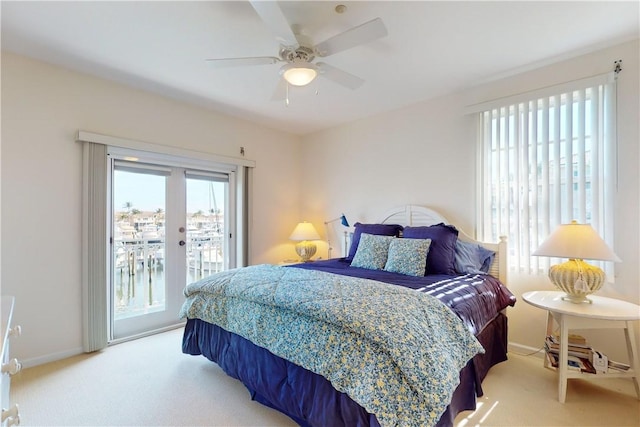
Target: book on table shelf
(575, 339)
(581, 350)
(555, 341)
(574, 363)
(618, 366)
(580, 356)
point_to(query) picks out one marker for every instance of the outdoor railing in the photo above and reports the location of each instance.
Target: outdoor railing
(139, 275)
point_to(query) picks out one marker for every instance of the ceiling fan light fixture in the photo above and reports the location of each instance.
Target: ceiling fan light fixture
(299, 73)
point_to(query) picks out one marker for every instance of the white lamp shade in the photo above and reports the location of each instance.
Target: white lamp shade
(299, 73)
(304, 231)
(576, 241)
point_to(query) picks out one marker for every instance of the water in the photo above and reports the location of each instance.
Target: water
(140, 287)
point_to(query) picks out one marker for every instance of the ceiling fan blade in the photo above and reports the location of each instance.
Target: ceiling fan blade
(355, 36)
(241, 62)
(271, 14)
(341, 77)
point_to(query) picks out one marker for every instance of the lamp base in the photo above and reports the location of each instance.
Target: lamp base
(576, 299)
(306, 250)
(578, 279)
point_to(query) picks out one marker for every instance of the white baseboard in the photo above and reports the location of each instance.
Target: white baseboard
(525, 350)
(148, 333)
(53, 357)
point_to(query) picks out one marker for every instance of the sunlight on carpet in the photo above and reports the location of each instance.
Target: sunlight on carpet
(521, 392)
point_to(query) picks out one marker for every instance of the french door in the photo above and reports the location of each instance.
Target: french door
(170, 224)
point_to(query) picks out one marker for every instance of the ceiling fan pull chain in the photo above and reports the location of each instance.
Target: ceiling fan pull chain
(286, 99)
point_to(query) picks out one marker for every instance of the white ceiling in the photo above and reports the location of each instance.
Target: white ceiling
(433, 48)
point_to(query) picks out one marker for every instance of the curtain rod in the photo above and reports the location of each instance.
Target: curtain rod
(83, 136)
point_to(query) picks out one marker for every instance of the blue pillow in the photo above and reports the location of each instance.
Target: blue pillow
(377, 229)
(372, 251)
(408, 256)
(442, 252)
(473, 258)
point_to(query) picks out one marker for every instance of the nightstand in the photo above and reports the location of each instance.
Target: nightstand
(298, 261)
(604, 313)
(290, 262)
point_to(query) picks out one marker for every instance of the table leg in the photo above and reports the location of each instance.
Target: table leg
(632, 352)
(562, 362)
(549, 332)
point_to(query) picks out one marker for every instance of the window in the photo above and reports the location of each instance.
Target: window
(546, 158)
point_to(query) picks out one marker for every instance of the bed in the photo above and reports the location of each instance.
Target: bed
(350, 342)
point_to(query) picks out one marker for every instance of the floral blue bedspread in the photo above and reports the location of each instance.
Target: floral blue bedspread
(396, 352)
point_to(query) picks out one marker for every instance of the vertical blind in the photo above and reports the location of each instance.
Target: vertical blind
(546, 158)
(95, 308)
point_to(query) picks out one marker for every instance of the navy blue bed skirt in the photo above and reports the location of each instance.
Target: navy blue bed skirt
(310, 399)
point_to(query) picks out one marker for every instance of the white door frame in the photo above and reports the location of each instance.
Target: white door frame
(175, 220)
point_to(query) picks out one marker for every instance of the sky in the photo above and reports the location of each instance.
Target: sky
(147, 193)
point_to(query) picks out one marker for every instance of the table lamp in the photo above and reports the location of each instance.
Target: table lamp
(304, 232)
(344, 222)
(575, 277)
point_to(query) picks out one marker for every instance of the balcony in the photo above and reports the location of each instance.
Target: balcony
(139, 269)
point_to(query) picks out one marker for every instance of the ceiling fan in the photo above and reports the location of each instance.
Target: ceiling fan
(298, 52)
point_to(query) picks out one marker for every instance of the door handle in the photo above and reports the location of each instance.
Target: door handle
(181, 243)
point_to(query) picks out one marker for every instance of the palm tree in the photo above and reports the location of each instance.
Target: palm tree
(127, 215)
(159, 215)
(132, 217)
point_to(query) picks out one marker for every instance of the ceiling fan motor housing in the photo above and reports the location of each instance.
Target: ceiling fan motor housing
(300, 54)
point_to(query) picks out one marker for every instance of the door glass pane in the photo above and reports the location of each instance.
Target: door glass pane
(139, 243)
(205, 227)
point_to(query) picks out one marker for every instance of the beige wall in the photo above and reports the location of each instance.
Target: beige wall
(425, 154)
(43, 107)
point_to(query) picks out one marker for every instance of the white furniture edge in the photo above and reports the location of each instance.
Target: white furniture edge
(603, 308)
(419, 216)
(617, 314)
(10, 366)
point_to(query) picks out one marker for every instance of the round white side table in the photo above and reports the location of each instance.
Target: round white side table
(603, 313)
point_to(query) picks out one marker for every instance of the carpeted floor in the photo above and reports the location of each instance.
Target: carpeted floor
(149, 382)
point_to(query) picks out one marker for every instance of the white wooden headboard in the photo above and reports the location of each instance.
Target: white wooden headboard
(417, 216)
